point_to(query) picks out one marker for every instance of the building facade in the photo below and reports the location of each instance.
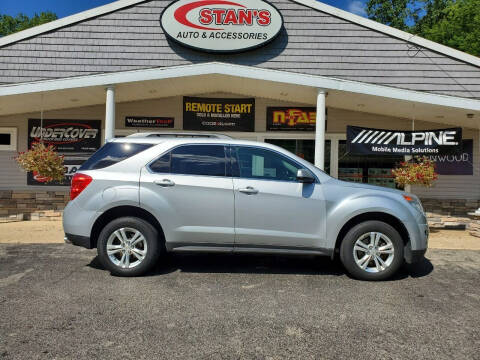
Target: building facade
(122, 68)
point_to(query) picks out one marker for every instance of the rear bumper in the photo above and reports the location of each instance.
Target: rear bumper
(78, 240)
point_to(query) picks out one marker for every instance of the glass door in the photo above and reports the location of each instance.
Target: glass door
(303, 148)
(370, 169)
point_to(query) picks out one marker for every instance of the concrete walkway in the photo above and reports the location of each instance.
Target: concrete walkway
(44, 232)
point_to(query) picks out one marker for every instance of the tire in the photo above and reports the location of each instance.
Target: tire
(125, 257)
(379, 262)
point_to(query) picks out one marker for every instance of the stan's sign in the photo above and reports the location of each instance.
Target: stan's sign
(220, 25)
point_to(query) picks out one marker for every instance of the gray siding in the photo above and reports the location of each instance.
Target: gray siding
(312, 43)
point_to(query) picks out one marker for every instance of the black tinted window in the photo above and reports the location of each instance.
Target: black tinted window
(112, 153)
(260, 163)
(206, 160)
(162, 164)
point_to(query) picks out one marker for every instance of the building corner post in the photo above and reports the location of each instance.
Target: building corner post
(320, 130)
(110, 113)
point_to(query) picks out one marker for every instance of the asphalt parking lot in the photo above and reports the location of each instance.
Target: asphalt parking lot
(56, 302)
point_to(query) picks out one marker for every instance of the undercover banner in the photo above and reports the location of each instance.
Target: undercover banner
(361, 140)
(216, 114)
(77, 140)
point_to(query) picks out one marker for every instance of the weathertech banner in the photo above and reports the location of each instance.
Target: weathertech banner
(212, 114)
(362, 140)
(75, 139)
(291, 118)
(149, 122)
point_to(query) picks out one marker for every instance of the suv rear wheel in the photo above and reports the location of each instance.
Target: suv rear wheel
(372, 250)
(128, 246)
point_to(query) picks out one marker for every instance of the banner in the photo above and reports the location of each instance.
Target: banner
(149, 122)
(291, 118)
(456, 164)
(362, 140)
(77, 140)
(218, 114)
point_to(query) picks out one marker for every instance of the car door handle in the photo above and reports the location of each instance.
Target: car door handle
(164, 182)
(249, 190)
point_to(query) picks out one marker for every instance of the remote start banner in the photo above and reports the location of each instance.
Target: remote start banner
(213, 114)
(77, 140)
(362, 140)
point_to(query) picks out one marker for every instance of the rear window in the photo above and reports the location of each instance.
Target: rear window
(112, 153)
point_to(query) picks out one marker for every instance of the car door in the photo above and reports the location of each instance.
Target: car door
(273, 209)
(192, 196)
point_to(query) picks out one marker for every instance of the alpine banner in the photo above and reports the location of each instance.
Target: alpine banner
(76, 140)
(361, 140)
(218, 114)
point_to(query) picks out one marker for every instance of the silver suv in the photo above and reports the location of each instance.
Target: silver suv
(141, 196)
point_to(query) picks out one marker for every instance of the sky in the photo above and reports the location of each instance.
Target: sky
(68, 7)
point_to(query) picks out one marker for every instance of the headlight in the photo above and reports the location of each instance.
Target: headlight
(414, 202)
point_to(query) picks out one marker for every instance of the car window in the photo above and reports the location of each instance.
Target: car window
(207, 160)
(112, 153)
(257, 163)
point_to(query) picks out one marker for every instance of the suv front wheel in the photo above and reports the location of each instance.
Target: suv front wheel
(128, 246)
(372, 250)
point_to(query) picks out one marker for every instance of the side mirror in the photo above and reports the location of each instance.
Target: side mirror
(305, 176)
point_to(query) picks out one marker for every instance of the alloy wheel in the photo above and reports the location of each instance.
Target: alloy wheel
(373, 252)
(126, 247)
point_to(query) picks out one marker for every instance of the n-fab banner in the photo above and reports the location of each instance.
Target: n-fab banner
(75, 139)
(218, 114)
(149, 122)
(291, 118)
(362, 140)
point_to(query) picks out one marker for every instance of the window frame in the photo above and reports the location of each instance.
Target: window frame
(12, 131)
(234, 157)
(228, 166)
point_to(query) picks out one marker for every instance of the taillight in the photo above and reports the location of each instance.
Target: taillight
(79, 183)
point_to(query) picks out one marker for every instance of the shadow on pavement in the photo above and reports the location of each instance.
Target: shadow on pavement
(261, 264)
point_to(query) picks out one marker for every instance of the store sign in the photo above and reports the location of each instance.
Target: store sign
(362, 140)
(291, 118)
(77, 140)
(456, 164)
(220, 25)
(214, 114)
(149, 122)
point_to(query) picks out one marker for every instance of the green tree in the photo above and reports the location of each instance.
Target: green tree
(10, 24)
(454, 23)
(457, 26)
(395, 13)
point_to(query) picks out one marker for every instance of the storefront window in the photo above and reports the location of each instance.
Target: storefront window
(370, 169)
(303, 148)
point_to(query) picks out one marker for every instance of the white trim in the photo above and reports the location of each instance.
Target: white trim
(245, 72)
(117, 5)
(388, 30)
(68, 20)
(12, 131)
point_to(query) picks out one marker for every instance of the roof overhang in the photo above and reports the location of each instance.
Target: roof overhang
(238, 79)
(314, 4)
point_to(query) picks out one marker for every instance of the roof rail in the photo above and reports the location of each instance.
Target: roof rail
(180, 135)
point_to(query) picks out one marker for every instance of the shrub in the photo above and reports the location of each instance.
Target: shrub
(43, 161)
(418, 171)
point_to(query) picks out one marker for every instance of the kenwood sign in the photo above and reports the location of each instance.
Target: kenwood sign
(380, 141)
(220, 25)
